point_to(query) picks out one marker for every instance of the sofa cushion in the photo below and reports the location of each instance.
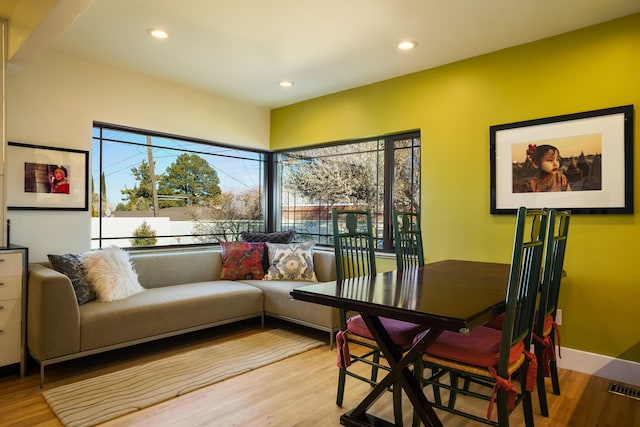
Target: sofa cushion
(275, 237)
(242, 260)
(278, 303)
(71, 266)
(111, 274)
(291, 262)
(157, 268)
(162, 310)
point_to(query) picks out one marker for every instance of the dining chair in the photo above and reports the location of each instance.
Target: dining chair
(408, 239)
(487, 358)
(355, 257)
(546, 328)
(546, 331)
(407, 235)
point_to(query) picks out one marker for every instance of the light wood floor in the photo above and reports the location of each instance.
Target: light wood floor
(298, 391)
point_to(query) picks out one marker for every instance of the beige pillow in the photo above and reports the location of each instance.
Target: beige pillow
(292, 261)
(111, 274)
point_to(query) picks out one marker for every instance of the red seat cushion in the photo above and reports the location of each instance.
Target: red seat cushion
(480, 348)
(401, 333)
(496, 322)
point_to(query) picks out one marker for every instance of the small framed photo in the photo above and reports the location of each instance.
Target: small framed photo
(40, 177)
(582, 162)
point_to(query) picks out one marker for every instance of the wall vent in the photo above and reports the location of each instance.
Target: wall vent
(624, 390)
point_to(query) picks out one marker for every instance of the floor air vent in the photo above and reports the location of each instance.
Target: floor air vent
(624, 390)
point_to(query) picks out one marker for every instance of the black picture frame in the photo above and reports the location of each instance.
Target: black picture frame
(49, 178)
(596, 159)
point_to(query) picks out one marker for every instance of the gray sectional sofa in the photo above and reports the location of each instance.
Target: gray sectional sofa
(182, 293)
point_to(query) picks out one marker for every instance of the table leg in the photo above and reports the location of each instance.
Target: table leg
(399, 374)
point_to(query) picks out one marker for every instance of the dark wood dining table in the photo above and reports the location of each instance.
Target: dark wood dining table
(446, 295)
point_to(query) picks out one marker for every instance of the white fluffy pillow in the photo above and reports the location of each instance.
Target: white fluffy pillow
(111, 274)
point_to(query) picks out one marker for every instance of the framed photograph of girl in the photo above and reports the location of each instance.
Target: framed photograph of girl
(581, 161)
(40, 177)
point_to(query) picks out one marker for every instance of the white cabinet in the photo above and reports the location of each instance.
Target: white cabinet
(13, 273)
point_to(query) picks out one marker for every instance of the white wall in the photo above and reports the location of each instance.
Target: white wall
(3, 212)
(54, 100)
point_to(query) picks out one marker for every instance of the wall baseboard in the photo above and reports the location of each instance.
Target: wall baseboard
(620, 370)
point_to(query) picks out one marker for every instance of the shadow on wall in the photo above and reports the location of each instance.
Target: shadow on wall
(633, 353)
(624, 367)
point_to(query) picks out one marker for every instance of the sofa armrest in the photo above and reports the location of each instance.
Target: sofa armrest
(53, 316)
(324, 265)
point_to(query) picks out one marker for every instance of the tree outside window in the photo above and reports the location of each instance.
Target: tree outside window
(378, 174)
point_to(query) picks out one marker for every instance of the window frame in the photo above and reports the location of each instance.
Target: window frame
(271, 180)
(390, 140)
(104, 241)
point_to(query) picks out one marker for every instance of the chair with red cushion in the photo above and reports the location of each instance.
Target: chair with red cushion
(546, 329)
(407, 234)
(487, 358)
(355, 257)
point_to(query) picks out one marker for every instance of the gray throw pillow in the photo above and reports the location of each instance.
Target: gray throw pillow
(276, 237)
(71, 266)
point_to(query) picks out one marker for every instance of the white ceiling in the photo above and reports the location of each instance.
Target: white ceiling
(243, 48)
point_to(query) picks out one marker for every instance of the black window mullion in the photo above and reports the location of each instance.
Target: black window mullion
(389, 164)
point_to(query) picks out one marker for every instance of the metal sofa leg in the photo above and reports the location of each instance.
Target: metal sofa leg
(41, 388)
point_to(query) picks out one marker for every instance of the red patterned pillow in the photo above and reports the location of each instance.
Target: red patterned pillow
(242, 260)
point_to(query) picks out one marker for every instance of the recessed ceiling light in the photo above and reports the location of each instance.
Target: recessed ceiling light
(158, 33)
(407, 45)
(286, 83)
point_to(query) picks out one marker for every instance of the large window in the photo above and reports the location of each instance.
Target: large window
(150, 189)
(379, 174)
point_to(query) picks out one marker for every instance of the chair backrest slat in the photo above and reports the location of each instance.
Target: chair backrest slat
(524, 279)
(353, 243)
(553, 267)
(408, 239)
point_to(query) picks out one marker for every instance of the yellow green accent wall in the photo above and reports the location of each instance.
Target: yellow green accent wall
(454, 106)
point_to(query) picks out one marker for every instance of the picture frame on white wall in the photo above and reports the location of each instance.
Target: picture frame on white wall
(50, 178)
(580, 161)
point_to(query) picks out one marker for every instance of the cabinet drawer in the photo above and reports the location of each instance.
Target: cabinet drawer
(10, 264)
(10, 343)
(9, 311)
(10, 287)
